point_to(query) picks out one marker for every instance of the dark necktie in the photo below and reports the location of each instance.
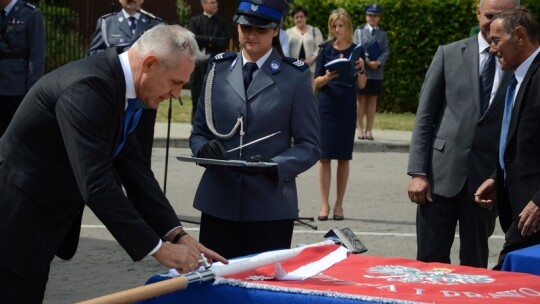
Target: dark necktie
(248, 70)
(508, 105)
(133, 24)
(373, 32)
(486, 82)
(131, 118)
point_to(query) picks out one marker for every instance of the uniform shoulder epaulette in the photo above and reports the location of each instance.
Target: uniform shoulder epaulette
(299, 64)
(150, 15)
(107, 15)
(223, 56)
(29, 5)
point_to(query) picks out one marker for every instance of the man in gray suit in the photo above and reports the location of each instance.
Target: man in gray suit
(454, 143)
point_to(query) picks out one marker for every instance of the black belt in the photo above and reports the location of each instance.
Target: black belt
(14, 55)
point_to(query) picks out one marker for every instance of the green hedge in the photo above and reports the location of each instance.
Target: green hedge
(415, 29)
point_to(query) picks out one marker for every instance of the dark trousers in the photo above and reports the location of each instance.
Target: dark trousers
(196, 84)
(15, 289)
(233, 239)
(436, 225)
(8, 106)
(145, 133)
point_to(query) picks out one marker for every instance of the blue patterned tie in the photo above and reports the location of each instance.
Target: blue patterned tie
(486, 82)
(131, 118)
(133, 24)
(508, 105)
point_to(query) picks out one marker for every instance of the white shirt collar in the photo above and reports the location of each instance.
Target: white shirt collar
(524, 67)
(10, 6)
(126, 68)
(482, 43)
(261, 60)
(126, 15)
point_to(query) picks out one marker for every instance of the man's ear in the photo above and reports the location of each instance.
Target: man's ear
(149, 62)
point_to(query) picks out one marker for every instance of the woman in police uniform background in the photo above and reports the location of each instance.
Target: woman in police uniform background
(247, 210)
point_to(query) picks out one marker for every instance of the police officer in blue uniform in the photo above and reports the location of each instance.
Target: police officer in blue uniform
(122, 29)
(22, 54)
(250, 209)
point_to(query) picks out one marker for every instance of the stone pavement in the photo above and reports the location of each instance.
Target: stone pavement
(385, 140)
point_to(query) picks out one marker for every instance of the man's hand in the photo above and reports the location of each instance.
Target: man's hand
(213, 149)
(419, 190)
(186, 255)
(529, 219)
(486, 194)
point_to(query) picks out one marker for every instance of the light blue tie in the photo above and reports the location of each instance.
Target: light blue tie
(508, 105)
(131, 119)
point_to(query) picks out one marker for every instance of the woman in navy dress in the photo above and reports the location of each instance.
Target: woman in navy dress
(337, 109)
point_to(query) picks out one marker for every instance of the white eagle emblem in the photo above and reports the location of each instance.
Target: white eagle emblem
(437, 276)
(254, 7)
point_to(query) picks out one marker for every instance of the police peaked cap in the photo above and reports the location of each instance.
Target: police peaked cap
(373, 9)
(261, 13)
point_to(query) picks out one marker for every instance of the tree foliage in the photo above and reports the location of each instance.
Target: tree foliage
(415, 29)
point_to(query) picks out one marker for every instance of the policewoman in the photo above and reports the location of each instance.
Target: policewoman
(122, 29)
(247, 96)
(22, 54)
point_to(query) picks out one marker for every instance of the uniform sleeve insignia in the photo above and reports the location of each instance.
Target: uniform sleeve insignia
(223, 56)
(33, 7)
(107, 15)
(302, 66)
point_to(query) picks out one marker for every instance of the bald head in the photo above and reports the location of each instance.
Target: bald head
(487, 9)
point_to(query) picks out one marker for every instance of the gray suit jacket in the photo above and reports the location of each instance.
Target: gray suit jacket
(363, 36)
(280, 98)
(451, 143)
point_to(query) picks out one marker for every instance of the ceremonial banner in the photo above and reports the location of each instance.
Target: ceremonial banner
(396, 280)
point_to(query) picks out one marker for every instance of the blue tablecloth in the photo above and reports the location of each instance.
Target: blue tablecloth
(525, 260)
(206, 292)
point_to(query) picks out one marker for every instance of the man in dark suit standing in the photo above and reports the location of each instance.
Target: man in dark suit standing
(122, 29)
(212, 34)
(453, 145)
(515, 38)
(69, 145)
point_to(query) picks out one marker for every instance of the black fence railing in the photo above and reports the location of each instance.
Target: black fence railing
(69, 33)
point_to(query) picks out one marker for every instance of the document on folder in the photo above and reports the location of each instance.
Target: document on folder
(223, 162)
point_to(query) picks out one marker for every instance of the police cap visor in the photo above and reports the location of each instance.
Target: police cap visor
(254, 21)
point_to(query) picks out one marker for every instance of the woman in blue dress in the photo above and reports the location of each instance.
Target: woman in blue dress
(337, 109)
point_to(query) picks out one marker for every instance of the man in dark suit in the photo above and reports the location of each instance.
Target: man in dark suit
(212, 34)
(453, 145)
(65, 149)
(515, 38)
(122, 29)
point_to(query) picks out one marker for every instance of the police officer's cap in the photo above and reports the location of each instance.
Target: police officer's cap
(373, 9)
(261, 13)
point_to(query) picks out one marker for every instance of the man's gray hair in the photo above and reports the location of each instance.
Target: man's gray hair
(516, 3)
(169, 43)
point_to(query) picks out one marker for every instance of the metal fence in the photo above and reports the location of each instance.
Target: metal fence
(69, 30)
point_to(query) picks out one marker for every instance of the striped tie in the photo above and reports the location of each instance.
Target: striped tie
(486, 82)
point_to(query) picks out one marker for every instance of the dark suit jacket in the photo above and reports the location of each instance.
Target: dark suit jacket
(522, 153)
(451, 141)
(57, 155)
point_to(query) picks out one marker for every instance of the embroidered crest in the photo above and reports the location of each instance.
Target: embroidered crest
(436, 276)
(275, 66)
(254, 7)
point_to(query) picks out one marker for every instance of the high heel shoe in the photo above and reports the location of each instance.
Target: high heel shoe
(338, 217)
(369, 136)
(322, 218)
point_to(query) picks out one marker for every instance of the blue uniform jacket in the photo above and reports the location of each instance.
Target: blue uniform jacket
(23, 33)
(280, 98)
